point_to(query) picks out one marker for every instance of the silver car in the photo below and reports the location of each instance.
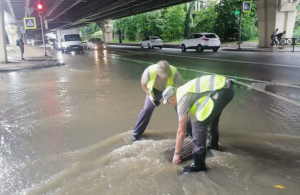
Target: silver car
(95, 43)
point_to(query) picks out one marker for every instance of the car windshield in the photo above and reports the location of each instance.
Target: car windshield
(211, 36)
(72, 38)
(154, 38)
(96, 40)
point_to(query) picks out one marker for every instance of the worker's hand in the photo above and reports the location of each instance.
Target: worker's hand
(154, 101)
(176, 159)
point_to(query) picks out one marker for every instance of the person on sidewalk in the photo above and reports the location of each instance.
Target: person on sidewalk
(155, 79)
(205, 97)
(20, 43)
(279, 37)
(273, 37)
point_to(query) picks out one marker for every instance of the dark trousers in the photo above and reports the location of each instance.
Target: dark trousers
(200, 128)
(146, 113)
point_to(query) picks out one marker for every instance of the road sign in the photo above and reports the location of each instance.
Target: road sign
(29, 23)
(246, 6)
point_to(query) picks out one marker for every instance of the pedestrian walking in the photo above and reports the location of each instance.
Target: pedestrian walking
(279, 37)
(20, 43)
(205, 97)
(273, 38)
(155, 79)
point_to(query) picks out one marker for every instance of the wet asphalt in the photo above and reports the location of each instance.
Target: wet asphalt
(67, 129)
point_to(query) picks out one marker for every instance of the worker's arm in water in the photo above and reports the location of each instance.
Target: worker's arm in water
(180, 137)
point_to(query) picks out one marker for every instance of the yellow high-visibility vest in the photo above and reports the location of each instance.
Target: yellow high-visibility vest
(203, 107)
(153, 74)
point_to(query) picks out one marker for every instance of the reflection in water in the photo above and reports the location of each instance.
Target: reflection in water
(96, 55)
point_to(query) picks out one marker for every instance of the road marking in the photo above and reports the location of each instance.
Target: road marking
(214, 59)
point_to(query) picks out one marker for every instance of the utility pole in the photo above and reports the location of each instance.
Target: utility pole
(40, 8)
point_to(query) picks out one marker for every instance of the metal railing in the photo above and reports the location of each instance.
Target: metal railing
(290, 41)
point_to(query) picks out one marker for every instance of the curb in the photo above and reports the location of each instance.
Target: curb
(31, 67)
(256, 50)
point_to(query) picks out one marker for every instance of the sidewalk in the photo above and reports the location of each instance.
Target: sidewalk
(34, 59)
(288, 48)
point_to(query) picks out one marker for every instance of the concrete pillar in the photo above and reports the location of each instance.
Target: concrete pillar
(107, 31)
(3, 54)
(12, 33)
(273, 14)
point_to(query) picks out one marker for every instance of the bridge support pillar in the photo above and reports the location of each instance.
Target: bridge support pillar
(272, 15)
(107, 31)
(12, 33)
(3, 54)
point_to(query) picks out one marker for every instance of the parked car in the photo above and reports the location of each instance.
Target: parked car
(83, 44)
(95, 43)
(151, 42)
(201, 41)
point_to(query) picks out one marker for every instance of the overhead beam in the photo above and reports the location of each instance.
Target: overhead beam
(53, 7)
(11, 10)
(149, 6)
(98, 7)
(76, 2)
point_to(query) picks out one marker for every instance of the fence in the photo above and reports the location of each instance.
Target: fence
(291, 41)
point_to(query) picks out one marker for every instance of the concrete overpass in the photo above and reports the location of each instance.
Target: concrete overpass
(76, 13)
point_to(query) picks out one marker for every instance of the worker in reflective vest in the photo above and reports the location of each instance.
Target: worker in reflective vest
(205, 97)
(155, 79)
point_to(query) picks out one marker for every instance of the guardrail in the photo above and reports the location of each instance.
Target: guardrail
(291, 41)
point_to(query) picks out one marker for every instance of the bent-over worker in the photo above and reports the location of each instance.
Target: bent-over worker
(155, 79)
(205, 97)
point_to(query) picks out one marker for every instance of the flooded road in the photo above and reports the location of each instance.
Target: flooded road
(67, 129)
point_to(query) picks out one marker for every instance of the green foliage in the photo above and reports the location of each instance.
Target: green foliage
(173, 24)
(92, 28)
(297, 32)
(188, 19)
(205, 20)
(227, 23)
(150, 23)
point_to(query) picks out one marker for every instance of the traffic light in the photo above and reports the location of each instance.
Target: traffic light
(236, 13)
(40, 7)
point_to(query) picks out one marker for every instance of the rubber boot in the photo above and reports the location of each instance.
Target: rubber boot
(198, 165)
(213, 142)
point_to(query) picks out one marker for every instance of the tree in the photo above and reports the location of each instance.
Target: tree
(227, 27)
(205, 20)
(173, 23)
(188, 20)
(150, 23)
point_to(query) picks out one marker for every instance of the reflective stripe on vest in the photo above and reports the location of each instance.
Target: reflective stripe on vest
(153, 74)
(203, 107)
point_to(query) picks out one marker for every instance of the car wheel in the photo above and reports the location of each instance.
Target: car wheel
(149, 46)
(160, 47)
(62, 50)
(142, 46)
(152, 47)
(82, 51)
(199, 48)
(215, 50)
(183, 48)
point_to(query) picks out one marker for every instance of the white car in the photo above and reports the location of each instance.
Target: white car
(201, 41)
(151, 42)
(95, 43)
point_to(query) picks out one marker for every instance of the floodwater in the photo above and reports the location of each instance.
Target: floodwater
(67, 130)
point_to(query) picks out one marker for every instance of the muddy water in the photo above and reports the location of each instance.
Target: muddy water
(67, 130)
